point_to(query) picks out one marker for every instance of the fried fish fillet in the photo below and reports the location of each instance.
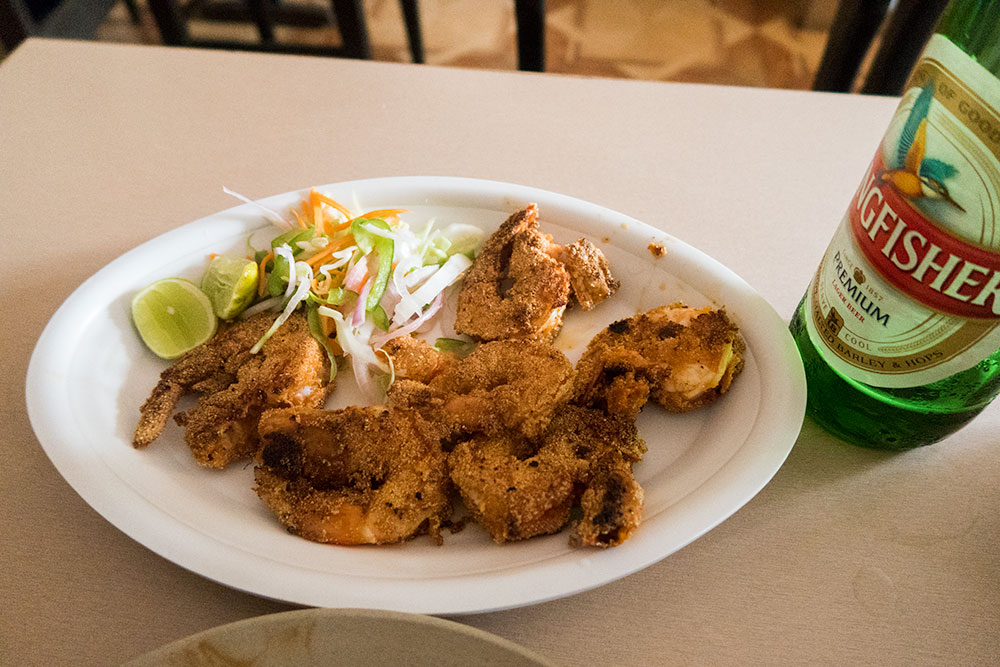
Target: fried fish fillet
(502, 386)
(517, 488)
(413, 359)
(235, 386)
(683, 358)
(371, 475)
(516, 287)
(513, 489)
(589, 274)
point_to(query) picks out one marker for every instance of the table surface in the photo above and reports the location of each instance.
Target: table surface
(847, 556)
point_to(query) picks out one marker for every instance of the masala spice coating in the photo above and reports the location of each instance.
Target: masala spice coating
(680, 357)
(235, 386)
(517, 488)
(361, 475)
(516, 287)
(589, 274)
(502, 386)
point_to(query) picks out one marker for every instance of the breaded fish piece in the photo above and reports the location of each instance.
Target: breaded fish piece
(361, 475)
(683, 358)
(203, 367)
(611, 498)
(513, 489)
(291, 369)
(502, 386)
(518, 488)
(516, 288)
(414, 359)
(589, 274)
(611, 504)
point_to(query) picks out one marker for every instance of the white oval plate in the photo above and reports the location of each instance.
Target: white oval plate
(89, 374)
(342, 637)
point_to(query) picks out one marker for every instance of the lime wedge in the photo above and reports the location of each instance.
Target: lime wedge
(230, 284)
(173, 316)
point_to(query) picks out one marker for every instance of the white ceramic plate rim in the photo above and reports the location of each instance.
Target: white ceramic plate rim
(323, 624)
(769, 439)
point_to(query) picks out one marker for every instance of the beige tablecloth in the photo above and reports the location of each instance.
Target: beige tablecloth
(847, 556)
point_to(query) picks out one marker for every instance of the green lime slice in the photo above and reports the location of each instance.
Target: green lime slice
(230, 284)
(173, 316)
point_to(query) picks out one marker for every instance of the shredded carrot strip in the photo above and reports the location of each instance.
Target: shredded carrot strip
(340, 227)
(213, 255)
(316, 212)
(331, 247)
(261, 276)
(384, 213)
(302, 223)
(319, 219)
(330, 202)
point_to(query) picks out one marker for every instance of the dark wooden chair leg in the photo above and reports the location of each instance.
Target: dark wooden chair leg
(170, 23)
(261, 17)
(530, 16)
(353, 28)
(411, 17)
(15, 23)
(133, 11)
(851, 35)
(908, 30)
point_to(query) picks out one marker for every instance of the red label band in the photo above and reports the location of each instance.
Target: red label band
(920, 259)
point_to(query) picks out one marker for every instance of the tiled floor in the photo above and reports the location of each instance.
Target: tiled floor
(773, 43)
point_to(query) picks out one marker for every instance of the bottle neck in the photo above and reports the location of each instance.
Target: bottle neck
(974, 26)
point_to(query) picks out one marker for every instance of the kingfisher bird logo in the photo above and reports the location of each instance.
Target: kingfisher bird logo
(910, 172)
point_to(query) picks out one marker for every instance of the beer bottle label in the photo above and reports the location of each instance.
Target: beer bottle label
(908, 291)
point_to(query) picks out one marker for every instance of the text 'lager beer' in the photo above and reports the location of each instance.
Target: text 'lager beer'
(899, 330)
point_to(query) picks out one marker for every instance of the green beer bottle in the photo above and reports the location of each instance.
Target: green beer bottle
(899, 330)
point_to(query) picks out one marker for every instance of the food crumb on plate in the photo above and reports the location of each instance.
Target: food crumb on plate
(657, 249)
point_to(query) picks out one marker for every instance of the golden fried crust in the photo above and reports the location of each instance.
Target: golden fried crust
(502, 386)
(683, 358)
(611, 504)
(591, 434)
(531, 306)
(589, 274)
(611, 498)
(291, 369)
(202, 367)
(517, 488)
(511, 491)
(414, 359)
(370, 475)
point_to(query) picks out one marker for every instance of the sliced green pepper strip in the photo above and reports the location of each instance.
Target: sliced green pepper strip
(364, 238)
(316, 329)
(292, 238)
(380, 318)
(336, 297)
(382, 246)
(277, 278)
(459, 348)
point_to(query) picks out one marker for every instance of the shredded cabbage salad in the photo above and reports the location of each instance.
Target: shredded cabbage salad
(363, 279)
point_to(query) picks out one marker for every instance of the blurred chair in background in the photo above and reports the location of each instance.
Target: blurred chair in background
(909, 26)
(74, 19)
(530, 15)
(172, 18)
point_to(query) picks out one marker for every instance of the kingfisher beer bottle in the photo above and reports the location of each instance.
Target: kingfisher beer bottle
(899, 330)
